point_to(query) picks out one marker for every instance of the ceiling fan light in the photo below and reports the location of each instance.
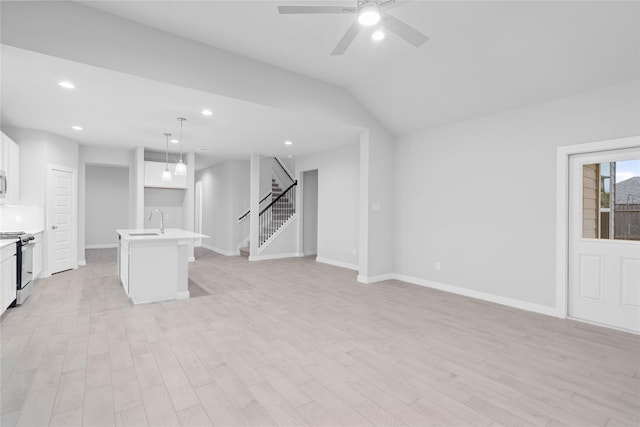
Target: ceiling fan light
(377, 35)
(181, 168)
(369, 15)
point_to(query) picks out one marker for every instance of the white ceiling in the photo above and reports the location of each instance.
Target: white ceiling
(483, 57)
(123, 111)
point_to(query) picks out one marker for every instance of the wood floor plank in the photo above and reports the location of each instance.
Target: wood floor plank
(298, 343)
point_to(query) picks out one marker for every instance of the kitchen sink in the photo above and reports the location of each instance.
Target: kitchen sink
(144, 234)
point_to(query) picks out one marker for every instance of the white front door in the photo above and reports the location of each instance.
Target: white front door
(60, 219)
(604, 237)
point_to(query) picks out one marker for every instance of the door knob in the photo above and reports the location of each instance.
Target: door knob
(54, 227)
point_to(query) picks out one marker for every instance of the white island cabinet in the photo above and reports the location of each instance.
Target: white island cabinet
(153, 266)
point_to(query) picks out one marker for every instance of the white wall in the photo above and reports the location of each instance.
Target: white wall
(338, 203)
(310, 212)
(169, 201)
(107, 204)
(479, 196)
(225, 189)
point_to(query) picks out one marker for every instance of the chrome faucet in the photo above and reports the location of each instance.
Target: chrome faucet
(161, 218)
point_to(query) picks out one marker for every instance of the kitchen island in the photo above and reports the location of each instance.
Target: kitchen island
(152, 265)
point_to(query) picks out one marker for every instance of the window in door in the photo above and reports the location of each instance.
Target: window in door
(611, 200)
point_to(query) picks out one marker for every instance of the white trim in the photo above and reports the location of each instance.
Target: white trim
(562, 208)
(221, 251)
(105, 246)
(375, 279)
(510, 302)
(191, 259)
(337, 263)
(275, 256)
(278, 232)
(81, 263)
(183, 295)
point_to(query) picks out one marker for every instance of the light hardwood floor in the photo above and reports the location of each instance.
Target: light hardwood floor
(294, 342)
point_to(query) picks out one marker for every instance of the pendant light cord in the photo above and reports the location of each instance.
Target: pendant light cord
(181, 119)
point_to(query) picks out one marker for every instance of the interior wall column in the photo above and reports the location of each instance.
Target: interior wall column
(254, 205)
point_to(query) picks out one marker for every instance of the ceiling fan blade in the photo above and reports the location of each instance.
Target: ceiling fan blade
(284, 10)
(346, 40)
(404, 30)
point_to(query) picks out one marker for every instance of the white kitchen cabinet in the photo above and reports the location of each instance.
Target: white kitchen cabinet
(37, 255)
(9, 276)
(153, 176)
(9, 171)
(123, 264)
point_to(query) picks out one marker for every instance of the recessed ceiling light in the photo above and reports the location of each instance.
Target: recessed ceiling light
(207, 113)
(67, 85)
(204, 150)
(174, 141)
(76, 127)
(287, 142)
(377, 35)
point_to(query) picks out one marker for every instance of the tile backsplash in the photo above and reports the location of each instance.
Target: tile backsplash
(21, 217)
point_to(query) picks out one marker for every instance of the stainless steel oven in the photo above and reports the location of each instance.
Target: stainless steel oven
(24, 260)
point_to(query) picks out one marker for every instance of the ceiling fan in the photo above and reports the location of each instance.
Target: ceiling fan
(370, 13)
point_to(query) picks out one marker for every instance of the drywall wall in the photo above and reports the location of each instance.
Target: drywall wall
(479, 196)
(338, 203)
(169, 201)
(225, 188)
(106, 204)
(310, 212)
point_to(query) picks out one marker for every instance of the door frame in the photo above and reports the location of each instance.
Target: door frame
(564, 154)
(74, 215)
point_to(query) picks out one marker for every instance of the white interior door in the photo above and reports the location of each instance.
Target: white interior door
(61, 219)
(604, 239)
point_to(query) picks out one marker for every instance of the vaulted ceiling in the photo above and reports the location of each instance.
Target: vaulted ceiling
(483, 57)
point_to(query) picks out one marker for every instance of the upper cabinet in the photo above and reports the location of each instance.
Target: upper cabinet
(153, 176)
(9, 171)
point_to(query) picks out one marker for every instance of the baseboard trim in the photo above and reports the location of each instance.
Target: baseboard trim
(105, 246)
(275, 256)
(221, 251)
(509, 302)
(191, 259)
(82, 262)
(375, 279)
(337, 263)
(183, 295)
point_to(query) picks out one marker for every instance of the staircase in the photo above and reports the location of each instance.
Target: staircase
(281, 208)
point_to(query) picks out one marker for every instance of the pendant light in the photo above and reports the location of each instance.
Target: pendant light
(166, 174)
(181, 168)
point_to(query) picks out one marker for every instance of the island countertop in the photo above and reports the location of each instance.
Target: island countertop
(155, 234)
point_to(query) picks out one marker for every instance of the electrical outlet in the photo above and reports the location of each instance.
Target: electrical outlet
(438, 266)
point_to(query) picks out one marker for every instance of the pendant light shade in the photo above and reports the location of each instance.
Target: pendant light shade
(181, 168)
(166, 174)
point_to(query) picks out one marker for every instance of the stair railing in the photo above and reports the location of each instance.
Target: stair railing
(278, 212)
(248, 211)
